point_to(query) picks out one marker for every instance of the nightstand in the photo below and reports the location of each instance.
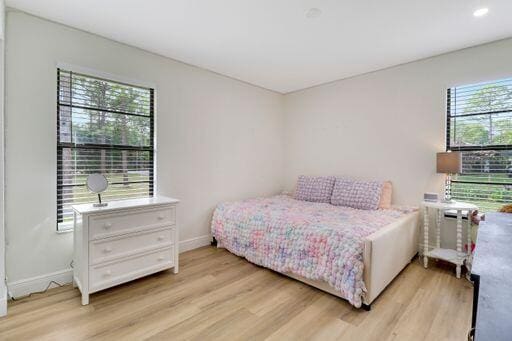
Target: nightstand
(457, 256)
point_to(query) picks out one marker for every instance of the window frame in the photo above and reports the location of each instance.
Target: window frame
(490, 147)
(61, 226)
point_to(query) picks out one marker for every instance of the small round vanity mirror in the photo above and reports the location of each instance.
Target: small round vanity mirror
(97, 183)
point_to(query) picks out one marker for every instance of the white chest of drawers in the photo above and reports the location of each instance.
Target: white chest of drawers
(123, 241)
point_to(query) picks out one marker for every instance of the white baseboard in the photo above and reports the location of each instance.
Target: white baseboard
(39, 283)
(3, 304)
(194, 243)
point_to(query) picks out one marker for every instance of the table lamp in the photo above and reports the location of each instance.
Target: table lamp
(449, 163)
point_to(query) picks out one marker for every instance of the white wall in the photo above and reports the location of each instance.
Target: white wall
(217, 138)
(387, 124)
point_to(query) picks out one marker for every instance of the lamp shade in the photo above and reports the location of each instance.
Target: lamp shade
(449, 162)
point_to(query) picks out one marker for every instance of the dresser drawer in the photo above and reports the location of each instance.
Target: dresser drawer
(113, 273)
(103, 250)
(107, 225)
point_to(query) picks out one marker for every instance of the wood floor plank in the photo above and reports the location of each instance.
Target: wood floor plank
(299, 299)
(220, 304)
(319, 321)
(219, 296)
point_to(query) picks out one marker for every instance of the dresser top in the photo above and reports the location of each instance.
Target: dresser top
(124, 204)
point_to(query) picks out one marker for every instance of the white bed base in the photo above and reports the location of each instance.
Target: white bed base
(386, 253)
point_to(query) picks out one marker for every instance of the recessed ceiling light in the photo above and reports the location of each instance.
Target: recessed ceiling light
(481, 12)
(313, 13)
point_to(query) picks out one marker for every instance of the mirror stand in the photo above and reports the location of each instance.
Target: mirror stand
(99, 203)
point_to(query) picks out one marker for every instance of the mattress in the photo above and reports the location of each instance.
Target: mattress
(314, 240)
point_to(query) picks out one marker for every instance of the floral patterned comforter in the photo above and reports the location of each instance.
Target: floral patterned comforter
(314, 240)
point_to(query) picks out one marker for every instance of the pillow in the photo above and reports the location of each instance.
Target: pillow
(385, 195)
(314, 188)
(364, 195)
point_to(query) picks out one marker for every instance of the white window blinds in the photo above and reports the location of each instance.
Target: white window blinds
(479, 124)
(102, 127)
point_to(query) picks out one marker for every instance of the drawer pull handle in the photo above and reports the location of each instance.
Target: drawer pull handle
(161, 258)
(106, 226)
(107, 273)
(160, 238)
(107, 250)
(161, 217)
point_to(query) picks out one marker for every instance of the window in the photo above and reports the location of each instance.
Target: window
(479, 124)
(102, 127)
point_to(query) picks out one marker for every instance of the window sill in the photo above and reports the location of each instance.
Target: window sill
(65, 228)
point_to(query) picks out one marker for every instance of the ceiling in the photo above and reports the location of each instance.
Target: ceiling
(274, 44)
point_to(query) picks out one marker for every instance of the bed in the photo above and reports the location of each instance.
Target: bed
(351, 253)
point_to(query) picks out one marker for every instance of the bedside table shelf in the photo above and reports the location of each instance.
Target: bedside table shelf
(448, 255)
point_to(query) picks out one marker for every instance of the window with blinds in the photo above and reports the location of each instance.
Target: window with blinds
(479, 124)
(103, 127)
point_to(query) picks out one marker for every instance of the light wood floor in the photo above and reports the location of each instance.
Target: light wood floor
(217, 295)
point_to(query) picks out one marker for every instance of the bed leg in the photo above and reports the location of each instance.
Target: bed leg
(366, 307)
(214, 242)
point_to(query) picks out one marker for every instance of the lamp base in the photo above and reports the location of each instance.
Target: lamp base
(448, 189)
